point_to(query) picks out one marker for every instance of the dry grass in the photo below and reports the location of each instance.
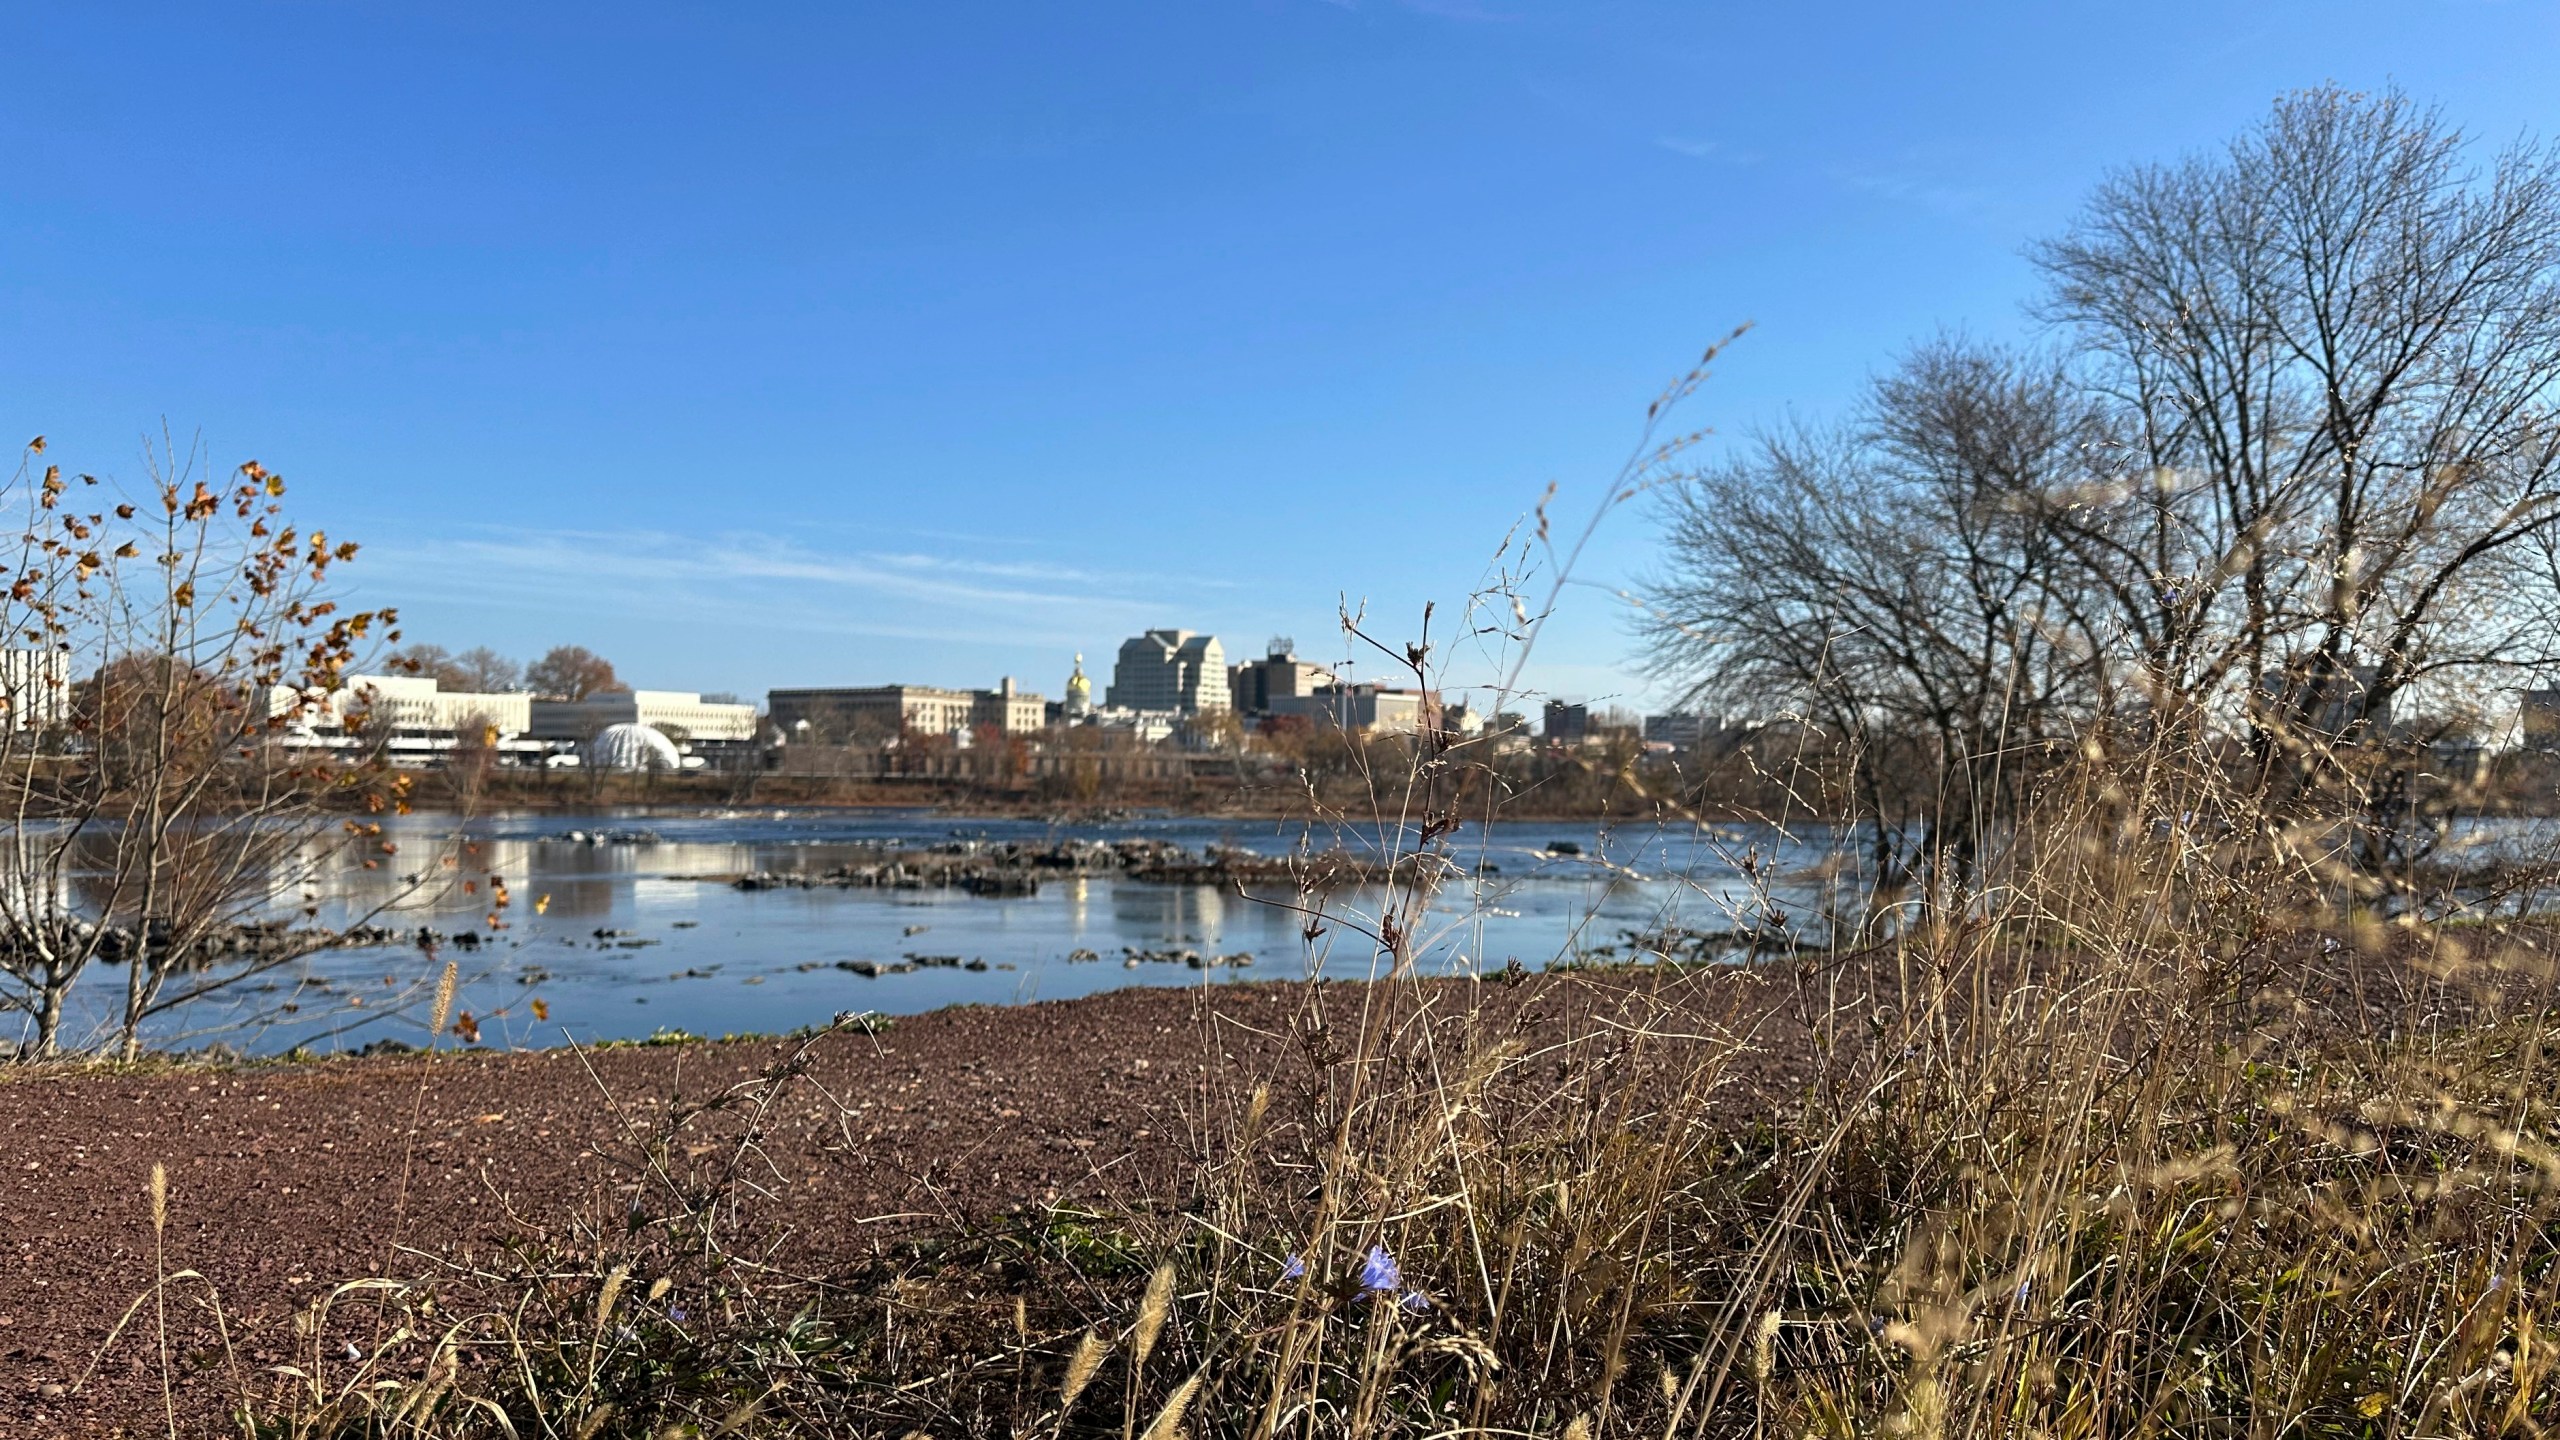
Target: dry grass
(2099, 1159)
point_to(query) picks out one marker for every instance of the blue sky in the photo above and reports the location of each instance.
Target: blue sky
(769, 345)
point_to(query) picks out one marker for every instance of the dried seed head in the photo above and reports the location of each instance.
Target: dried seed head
(444, 1000)
(159, 1197)
(1080, 1368)
(1157, 1304)
(1168, 1421)
(612, 1292)
(1580, 1429)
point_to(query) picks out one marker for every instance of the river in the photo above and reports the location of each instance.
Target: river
(629, 931)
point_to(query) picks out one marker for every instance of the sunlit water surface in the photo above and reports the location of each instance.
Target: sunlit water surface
(630, 940)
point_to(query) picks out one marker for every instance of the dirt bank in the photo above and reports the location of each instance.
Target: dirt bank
(285, 1179)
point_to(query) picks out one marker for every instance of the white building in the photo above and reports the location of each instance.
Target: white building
(416, 704)
(635, 747)
(1169, 670)
(35, 686)
(1149, 727)
(683, 715)
(413, 719)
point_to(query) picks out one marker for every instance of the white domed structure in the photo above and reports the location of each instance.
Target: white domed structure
(633, 747)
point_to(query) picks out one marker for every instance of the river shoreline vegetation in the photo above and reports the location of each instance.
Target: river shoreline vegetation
(2168, 1069)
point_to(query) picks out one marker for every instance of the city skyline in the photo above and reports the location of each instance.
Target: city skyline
(809, 347)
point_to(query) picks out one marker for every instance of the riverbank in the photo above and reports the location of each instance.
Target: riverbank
(285, 1179)
(962, 1159)
(569, 791)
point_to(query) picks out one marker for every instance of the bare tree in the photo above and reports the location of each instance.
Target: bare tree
(485, 671)
(431, 662)
(2332, 351)
(571, 672)
(479, 670)
(1902, 583)
(2302, 462)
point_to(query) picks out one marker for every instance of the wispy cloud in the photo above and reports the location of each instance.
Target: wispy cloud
(1907, 187)
(776, 583)
(1716, 150)
(1467, 10)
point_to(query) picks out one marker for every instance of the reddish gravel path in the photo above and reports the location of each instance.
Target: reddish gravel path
(285, 1179)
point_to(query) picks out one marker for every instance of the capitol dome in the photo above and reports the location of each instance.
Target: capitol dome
(633, 747)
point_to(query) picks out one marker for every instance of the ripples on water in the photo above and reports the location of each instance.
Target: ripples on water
(696, 955)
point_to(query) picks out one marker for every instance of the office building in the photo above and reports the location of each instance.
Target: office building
(416, 706)
(1253, 686)
(1172, 670)
(1012, 711)
(858, 714)
(1566, 724)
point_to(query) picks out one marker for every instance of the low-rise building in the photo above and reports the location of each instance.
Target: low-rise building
(2334, 702)
(1005, 708)
(1362, 709)
(1681, 729)
(683, 716)
(416, 705)
(857, 713)
(1147, 727)
(35, 686)
(1566, 723)
(412, 719)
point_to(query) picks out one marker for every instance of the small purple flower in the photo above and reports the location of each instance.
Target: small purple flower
(1380, 1274)
(1415, 1302)
(676, 1313)
(1294, 1269)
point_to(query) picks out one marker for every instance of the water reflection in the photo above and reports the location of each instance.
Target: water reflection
(620, 940)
